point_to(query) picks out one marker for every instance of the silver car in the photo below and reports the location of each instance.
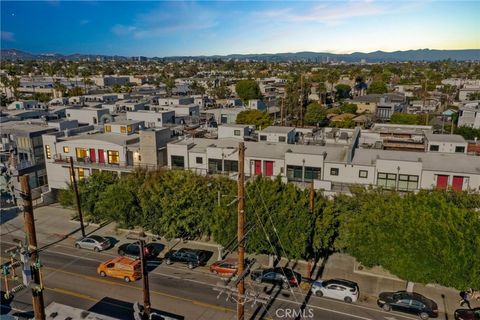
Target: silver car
(95, 243)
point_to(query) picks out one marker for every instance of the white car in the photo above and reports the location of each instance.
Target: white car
(339, 289)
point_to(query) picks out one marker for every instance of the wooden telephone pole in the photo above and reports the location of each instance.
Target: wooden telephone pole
(37, 291)
(312, 207)
(241, 231)
(145, 286)
(77, 196)
(282, 115)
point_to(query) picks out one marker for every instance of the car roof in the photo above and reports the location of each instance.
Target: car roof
(95, 237)
(123, 260)
(344, 282)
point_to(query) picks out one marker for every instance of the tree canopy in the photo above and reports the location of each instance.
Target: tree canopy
(342, 91)
(248, 89)
(315, 114)
(468, 133)
(254, 117)
(406, 118)
(377, 87)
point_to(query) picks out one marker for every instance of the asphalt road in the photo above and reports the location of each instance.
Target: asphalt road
(70, 278)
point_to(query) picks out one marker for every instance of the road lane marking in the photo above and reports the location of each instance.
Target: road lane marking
(72, 293)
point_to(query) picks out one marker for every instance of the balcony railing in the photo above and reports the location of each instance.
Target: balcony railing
(87, 163)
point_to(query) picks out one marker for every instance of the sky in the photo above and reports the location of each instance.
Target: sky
(163, 28)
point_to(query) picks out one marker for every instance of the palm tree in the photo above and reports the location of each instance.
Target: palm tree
(5, 83)
(14, 84)
(332, 78)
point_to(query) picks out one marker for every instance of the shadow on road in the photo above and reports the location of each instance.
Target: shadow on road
(124, 310)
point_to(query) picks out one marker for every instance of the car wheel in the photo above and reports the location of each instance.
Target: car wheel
(168, 261)
(424, 316)
(190, 266)
(127, 279)
(103, 274)
(348, 299)
(285, 285)
(96, 249)
(258, 280)
(386, 307)
(319, 293)
(77, 246)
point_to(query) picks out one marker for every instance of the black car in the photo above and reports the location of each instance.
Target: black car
(467, 314)
(284, 277)
(409, 302)
(133, 250)
(191, 257)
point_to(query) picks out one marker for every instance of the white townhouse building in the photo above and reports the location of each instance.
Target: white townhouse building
(333, 168)
(469, 115)
(120, 149)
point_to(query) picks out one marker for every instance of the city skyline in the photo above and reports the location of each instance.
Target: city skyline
(211, 28)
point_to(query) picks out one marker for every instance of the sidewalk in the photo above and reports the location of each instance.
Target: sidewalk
(53, 225)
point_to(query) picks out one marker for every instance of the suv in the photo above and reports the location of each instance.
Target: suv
(191, 257)
(467, 314)
(339, 289)
(133, 250)
(282, 276)
(409, 302)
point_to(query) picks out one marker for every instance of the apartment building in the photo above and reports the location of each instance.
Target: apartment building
(121, 149)
(154, 118)
(332, 167)
(469, 115)
(91, 116)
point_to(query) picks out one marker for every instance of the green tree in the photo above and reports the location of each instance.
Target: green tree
(474, 96)
(342, 91)
(254, 117)
(468, 133)
(377, 87)
(248, 89)
(404, 118)
(348, 108)
(315, 114)
(429, 237)
(222, 91)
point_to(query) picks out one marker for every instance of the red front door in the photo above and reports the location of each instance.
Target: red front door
(101, 156)
(442, 182)
(258, 167)
(269, 168)
(457, 183)
(93, 158)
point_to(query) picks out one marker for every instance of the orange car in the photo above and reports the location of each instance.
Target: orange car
(121, 267)
(225, 268)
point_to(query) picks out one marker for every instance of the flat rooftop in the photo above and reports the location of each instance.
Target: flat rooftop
(451, 138)
(277, 129)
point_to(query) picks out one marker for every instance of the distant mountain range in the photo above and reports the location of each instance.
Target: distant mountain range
(376, 56)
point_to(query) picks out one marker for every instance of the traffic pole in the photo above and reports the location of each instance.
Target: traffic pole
(77, 196)
(37, 293)
(241, 231)
(145, 285)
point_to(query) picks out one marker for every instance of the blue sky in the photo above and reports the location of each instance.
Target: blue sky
(207, 27)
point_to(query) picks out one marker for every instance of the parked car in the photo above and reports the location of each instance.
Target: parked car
(408, 302)
(191, 257)
(227, 267)
(467, 314)
(133, 250)
(95, 243)
(339, 289)
(284, 277)
(124, 268)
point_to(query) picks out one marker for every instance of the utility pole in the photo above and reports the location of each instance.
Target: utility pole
(281, 112)
(77, 196)
(311, 206)
(145, 286)
(241, 231)
(301, 100)
(37, 291)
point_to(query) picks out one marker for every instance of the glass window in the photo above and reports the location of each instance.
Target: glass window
(199, 160)
(363, 174)
(236, 133)
(334, 171)
(108, 128)
(81, 173)
(312, 173)
(113, 157)
(66, 149)
(81, 154)
(387, 180)
(263, 138)
(214, 165)
(48, 152)
(434, 147)
(407, 182)
(282, 139)
(460, 149)
(294, 173)
(178, 162)
(230, 165)
(129, 129)
(123, 129)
